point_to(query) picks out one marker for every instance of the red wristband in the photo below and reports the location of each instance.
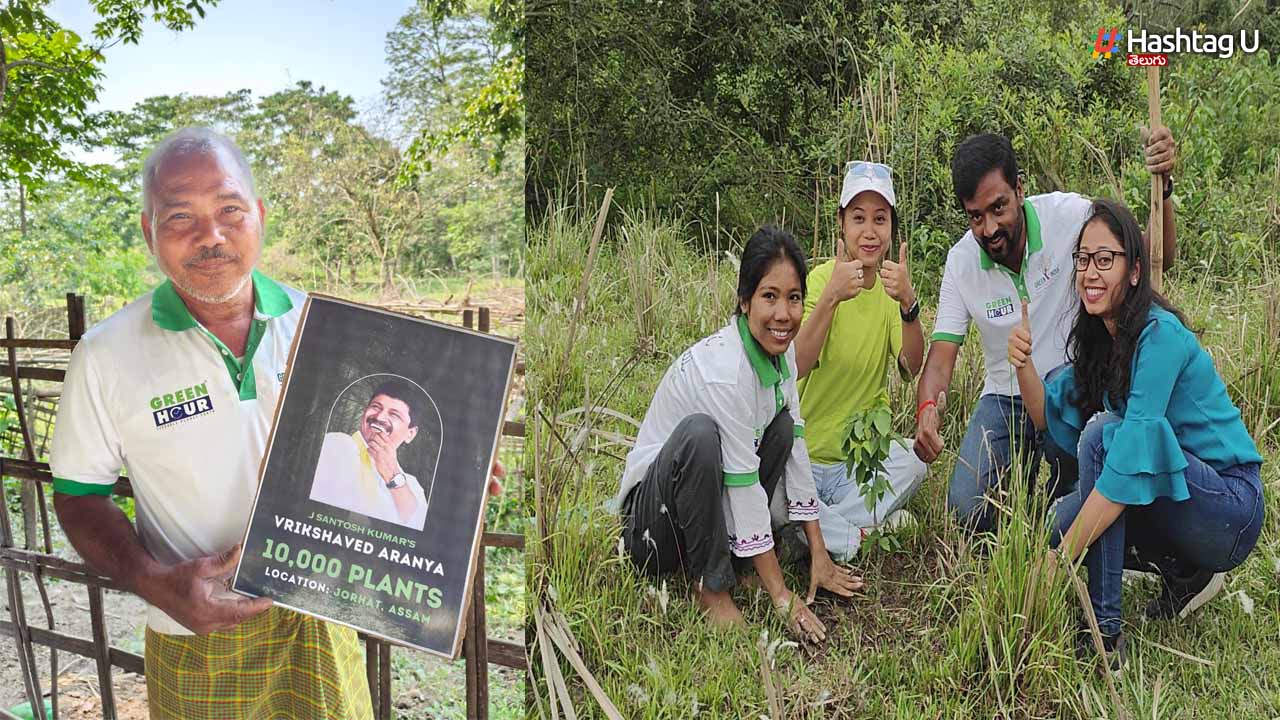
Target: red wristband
(924, 405)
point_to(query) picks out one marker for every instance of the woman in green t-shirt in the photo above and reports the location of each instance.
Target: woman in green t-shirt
(861, 318)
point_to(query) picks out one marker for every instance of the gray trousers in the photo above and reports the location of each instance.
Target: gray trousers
(674, 520)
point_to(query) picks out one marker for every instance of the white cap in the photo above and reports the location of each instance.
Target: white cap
(861, 175)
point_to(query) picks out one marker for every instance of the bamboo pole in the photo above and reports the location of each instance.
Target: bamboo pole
(1155, 228)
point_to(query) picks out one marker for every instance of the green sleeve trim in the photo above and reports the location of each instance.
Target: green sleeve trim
(71, 487)
(799, 431)
(742, 479)
(949, 337)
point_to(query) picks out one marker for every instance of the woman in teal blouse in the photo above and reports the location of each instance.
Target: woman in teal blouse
(1168, 473)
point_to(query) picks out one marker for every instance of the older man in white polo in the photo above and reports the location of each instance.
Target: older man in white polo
(180, 387)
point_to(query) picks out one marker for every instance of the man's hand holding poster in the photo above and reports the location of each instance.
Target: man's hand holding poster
(373, 486)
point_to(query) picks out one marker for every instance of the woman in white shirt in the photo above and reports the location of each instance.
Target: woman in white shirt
(723, 428)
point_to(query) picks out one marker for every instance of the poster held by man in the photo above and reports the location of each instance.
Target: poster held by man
(372, 490)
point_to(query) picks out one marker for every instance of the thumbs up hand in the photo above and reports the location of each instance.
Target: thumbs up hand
(847, 277)
(929, 445)
(896, 277)
(1020, 341)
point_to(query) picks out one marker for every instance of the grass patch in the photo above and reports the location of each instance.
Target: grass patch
(942, 628)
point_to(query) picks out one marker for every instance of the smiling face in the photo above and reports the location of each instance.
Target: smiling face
(867, 225)
(995, 217)
(205, 228)
(1103, 291)
(387, 416)
(776, 308)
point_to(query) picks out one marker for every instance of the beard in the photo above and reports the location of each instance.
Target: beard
(1001, 254)
(1007, 250)
(212, 299)
(205, 295)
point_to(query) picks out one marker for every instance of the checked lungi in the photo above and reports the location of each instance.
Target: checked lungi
(277, 665)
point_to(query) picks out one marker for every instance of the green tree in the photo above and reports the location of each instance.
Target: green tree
(731, 114)
(49, 76)
(337, 192)
(442, 57)
(438, 63)
(487, 115)
(79, 238)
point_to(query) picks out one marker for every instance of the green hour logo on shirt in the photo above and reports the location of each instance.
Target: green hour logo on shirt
(181, 404)
(1000, 307)
(1046, 276)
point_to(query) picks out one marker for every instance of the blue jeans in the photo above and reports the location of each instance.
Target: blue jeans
(1214, 529)
(986, 455)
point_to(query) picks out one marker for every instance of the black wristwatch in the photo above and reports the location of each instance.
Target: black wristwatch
(910, 315)
(1168, 186)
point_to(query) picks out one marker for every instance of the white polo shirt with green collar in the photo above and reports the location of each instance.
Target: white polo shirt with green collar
(729, 377)
(974, 287)
(151, 390)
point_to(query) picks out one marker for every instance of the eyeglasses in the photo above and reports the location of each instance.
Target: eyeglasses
(1102, 259)
(875, 170)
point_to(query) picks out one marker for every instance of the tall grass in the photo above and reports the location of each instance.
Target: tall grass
(943, 628)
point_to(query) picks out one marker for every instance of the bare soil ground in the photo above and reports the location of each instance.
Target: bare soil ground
(78, 687)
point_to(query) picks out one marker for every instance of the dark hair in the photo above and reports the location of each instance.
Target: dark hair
(768, 245)
(1102, 364)
(977, 156)
(406, 393)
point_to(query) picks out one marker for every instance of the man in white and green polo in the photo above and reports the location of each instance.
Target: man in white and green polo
(1017, 249)
(179, 387)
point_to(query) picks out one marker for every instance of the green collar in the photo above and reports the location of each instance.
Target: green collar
(765, 365)
(1034, 242)
(170, 313)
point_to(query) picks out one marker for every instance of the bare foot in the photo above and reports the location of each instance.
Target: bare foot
(720, 608)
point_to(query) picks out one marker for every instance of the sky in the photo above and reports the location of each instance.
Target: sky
(264, 46)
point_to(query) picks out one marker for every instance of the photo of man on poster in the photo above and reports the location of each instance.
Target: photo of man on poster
(361, 471)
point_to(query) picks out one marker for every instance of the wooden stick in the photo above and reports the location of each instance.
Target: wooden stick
(1179, 653)
(476, 643)
(102, 653)
(817, 207)
(564, 641)
(579, 305)
(1155, 229)
(371, 671)
(551, 669)
(126, 661)
(771, 693)
(1082, 592)
(384, 679)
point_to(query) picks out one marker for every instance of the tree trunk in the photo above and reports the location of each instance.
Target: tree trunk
(387, 271)
(22, 210)
(4, 70)
(30, 510)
